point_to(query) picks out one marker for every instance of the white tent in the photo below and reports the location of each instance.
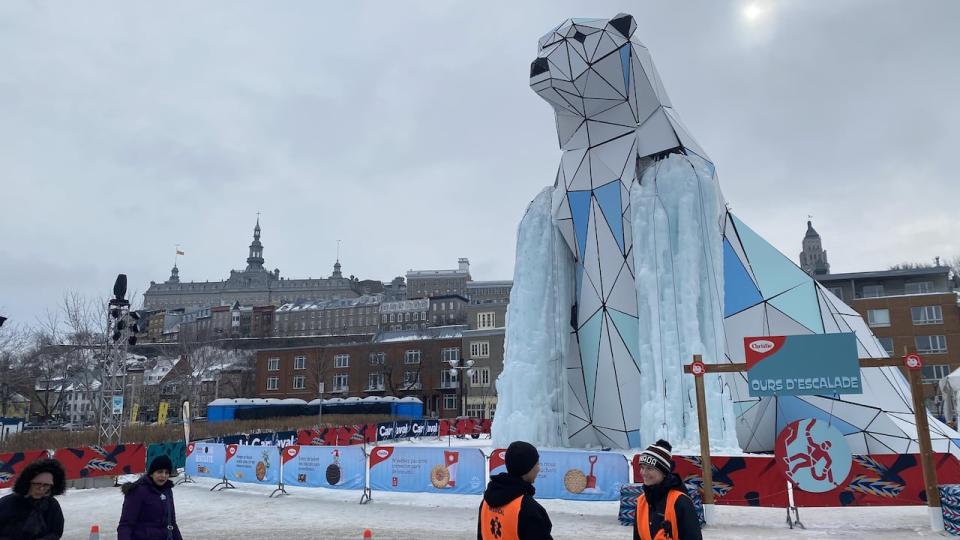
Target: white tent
(950, 394)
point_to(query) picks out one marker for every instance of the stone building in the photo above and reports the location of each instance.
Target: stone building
(332, 317)
(483, 343)
(253, 286)
(813, 258)
(405, 315)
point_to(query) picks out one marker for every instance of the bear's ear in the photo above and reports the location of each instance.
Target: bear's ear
(624, 24)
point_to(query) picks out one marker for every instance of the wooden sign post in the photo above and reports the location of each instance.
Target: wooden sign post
(913, 363)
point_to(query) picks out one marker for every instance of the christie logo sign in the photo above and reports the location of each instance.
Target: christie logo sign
(813, 364)
(383, 454)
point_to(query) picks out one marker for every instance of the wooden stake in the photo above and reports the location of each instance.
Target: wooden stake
(706, 466)
(923, 438)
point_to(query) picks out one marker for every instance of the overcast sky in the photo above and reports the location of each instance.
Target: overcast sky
(408, 131)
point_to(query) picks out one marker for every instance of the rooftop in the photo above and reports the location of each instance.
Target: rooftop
(435, 332)
(883, 274)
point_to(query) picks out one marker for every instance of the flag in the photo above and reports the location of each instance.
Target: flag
(179, 252)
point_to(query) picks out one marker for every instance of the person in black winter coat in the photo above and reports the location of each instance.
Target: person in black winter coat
(659, 480)
(31, 512)
(148, 511)
(532, 521)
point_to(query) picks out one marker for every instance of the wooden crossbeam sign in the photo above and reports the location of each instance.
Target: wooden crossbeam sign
(911, 361)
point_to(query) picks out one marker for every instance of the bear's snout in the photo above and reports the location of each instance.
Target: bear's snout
(539, 66)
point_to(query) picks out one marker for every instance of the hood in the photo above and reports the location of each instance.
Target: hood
(145, 481)
(504, 488)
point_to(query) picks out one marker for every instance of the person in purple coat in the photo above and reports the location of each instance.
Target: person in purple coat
(148, 511)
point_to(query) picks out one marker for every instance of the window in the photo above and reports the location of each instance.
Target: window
(887, 344)
(341, 361)
(451, 354)
(878, 317)
(935, 372)
(476, 410)
(340, 382)
(479, 349)
(384, 318)
(377, 358)
(299, 362)
(411, 357)
(837, 291)
(920, 287)
(393, 317)
(299, 382)
(487, 319)
(449, 402)
(872, 291)
(375, 381)
(273, 383)
(480, 377)
(273, 364)
(931, 344)
(411, 379)
(447, 379)
(927, 315)
(423, 315)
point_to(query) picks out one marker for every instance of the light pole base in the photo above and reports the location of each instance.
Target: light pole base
(709, 513)
(936, 518)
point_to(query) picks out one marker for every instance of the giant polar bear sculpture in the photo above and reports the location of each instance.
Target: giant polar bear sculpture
(630, 264)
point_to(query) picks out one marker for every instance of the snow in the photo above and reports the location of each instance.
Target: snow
(531, 388)
(247, 512)
(677, 245)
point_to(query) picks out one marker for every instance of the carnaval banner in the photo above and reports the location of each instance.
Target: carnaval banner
(873, 480)
(91, 461)
(253, 464)
(338, 436)
(389, 431)
(280, 438)
(428, 470)
(176, 451)
(338, 467)
(206, 459)
(582, 476)
(11, 464)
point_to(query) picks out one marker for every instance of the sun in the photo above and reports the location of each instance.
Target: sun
(754, 11)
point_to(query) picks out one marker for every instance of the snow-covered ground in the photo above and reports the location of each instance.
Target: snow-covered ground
(247, 512)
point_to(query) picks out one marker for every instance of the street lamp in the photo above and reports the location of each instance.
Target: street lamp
(458, 365)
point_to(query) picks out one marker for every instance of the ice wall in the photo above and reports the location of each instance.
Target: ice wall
(677, 223)
(531, 388)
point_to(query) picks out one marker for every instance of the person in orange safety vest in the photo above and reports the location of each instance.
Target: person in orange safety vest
(664, 511)
(508, 511)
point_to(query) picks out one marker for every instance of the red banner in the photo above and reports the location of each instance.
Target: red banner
(338, 436)
(874, 480)
(464, 426)
(91, 461)
(11, 464)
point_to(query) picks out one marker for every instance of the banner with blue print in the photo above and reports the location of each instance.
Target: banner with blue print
(205, 459)
(428, 470)
(815, 364)
(252, 464)
(581, 476)
(338, 467)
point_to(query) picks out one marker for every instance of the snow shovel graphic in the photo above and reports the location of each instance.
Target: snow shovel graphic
(591, 479)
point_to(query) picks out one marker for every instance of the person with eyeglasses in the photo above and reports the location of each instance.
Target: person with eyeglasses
(31, 512)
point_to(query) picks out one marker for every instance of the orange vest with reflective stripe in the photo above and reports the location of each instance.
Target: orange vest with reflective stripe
(669, 514)
(500, 523)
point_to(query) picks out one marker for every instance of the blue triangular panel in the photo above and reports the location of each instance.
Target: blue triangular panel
(625, 62)
(589, 337)
(608, 195)
(775, 273)
(801, 304)
(739, 290)
(629, 329)
(792, 408)
(633, 437)
(580, 212)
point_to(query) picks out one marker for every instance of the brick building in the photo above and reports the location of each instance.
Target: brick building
(483, 343)
(404, 363)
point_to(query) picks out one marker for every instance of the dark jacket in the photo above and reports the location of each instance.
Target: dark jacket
(147, 510)
(534, 523)
(687, 521)
(23, 518)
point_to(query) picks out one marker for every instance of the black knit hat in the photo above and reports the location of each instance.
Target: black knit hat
(658, 455)
(161, 462)
(521, 458)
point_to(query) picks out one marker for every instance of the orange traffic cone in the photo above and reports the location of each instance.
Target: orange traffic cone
(367, 533)
(94, 532)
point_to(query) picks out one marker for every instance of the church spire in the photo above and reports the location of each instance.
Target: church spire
(174, 274)
(813, 258)
(255, 260)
